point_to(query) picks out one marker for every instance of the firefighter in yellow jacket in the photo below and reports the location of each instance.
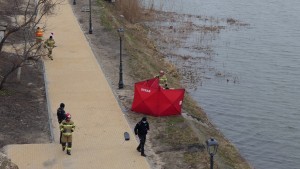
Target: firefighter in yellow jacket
(162, 79)
(50, 44)
(67, 127)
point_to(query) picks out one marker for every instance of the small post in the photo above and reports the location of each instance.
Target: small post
(121, 84)
(212, 148)
(90, 25)
(126, 136)
(19, 74)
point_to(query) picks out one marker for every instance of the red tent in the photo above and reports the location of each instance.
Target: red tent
(150, 98)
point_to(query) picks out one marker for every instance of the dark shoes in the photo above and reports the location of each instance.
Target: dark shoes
(68, 152)
(139, 150)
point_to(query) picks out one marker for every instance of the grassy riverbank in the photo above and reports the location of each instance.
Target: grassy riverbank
(178, 140)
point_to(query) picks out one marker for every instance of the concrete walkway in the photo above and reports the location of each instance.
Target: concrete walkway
(75, 78)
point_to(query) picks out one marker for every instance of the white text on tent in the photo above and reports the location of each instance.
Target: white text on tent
(145, 90)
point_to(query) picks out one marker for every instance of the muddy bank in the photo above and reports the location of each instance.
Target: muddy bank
(173, 142)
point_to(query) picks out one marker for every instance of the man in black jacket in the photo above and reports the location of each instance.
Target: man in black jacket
(141, 129)
(61, 115)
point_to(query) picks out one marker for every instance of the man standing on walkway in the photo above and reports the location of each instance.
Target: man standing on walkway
(67, 127)
(141, 129)
(61, 115)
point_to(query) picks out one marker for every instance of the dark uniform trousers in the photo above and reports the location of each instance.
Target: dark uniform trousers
(60, 138)
(142, 143)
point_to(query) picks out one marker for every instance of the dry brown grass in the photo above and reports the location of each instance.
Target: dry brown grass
(174, 133)
(130, 9)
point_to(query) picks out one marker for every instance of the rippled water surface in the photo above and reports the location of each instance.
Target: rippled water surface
(258, 108)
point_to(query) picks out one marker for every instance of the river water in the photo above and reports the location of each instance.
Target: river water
(250, 88)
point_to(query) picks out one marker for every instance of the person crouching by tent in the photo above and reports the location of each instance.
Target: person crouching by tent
(162, 78)
(141, 129)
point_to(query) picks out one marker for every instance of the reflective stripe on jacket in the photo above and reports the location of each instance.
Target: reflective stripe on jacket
(39, 33)
(163, 80)
(67, 127)
(50, 43)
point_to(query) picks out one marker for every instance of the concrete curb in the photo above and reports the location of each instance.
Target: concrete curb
(49, 110)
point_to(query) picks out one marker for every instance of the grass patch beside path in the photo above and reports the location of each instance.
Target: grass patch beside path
(106, 21)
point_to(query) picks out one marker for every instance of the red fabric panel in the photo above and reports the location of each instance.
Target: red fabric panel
(151, 99)
(145, 96)
(171, 101)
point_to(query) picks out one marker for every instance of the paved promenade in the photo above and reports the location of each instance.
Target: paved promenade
(75, 78)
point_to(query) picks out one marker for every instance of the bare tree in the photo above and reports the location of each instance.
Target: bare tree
(18, 46)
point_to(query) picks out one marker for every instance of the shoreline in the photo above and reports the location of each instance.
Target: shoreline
(160, 153)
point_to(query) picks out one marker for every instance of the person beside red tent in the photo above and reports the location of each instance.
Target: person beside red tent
(163, 81)
(141, 129)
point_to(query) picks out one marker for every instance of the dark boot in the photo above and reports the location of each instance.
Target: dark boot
(69, 148)
(143, 154)
(138, 149)
(63, 146)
